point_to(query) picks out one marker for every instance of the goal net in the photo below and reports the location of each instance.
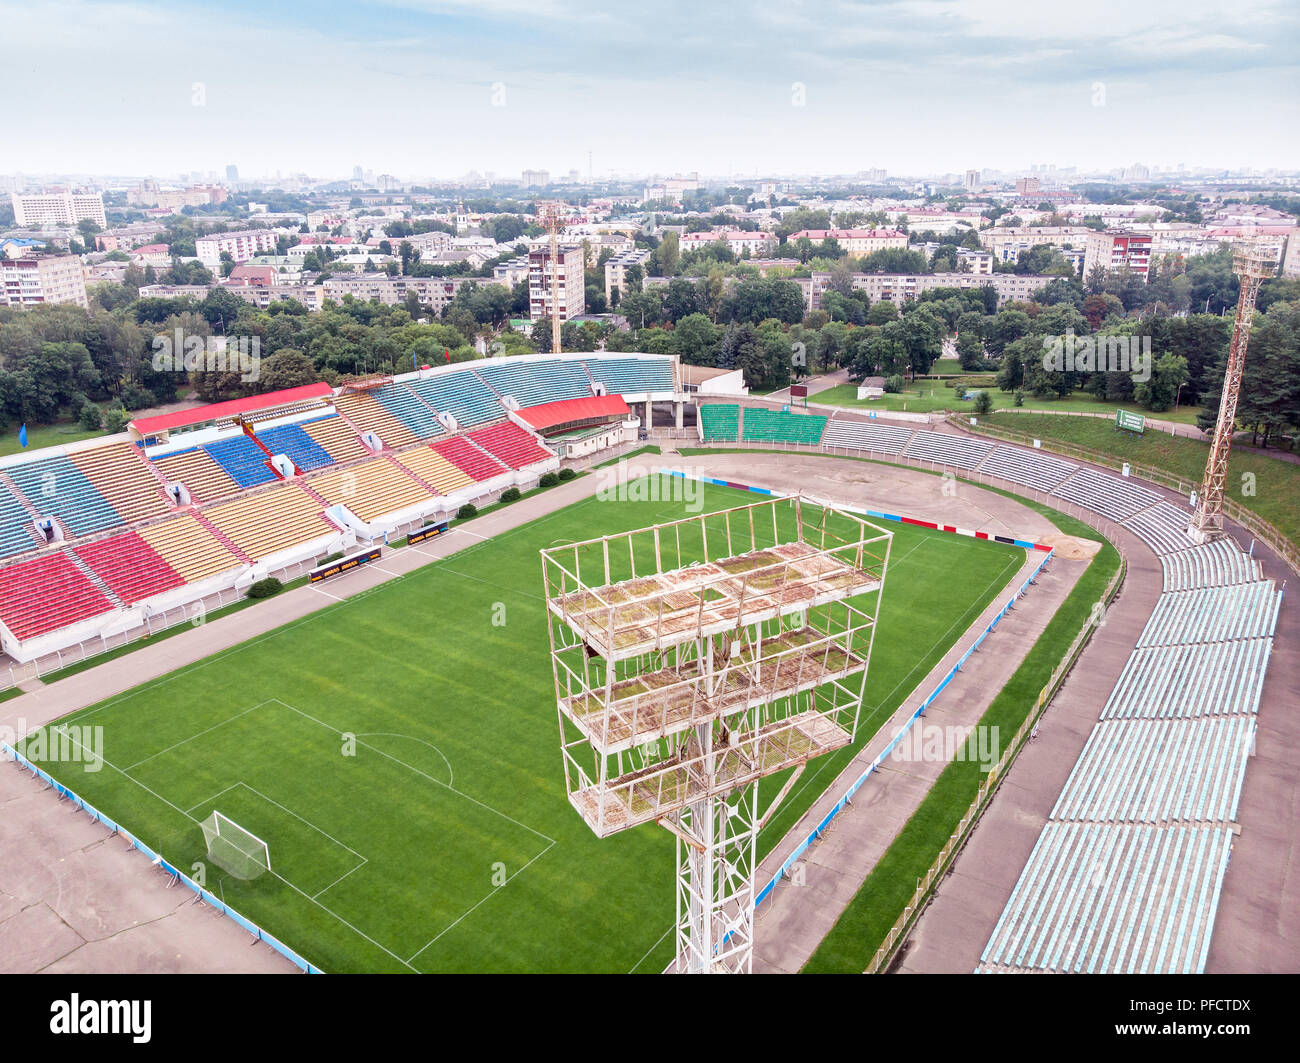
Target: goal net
(234, 849)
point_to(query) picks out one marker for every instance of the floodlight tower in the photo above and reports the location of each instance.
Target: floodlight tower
(550, 217)
(1252, 261)
(694, 659)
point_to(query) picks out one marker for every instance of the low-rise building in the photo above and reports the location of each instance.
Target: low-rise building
(616, 271)
(738, 241)
(241, 246)
(1118, 249)
(854, 241)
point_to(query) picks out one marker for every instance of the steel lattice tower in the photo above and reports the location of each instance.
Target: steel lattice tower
(1253, 262)
(692, 660)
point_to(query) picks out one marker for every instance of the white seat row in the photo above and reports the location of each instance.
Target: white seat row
(1111, 496)
(1026, 467)
(1213, 564)
(1189, 680)
(1158, 771)
(1163, 527)
(961, 451)
(1213, 614)
(1113, 898)
(865, 435)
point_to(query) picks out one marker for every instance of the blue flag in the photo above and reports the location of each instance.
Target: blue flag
(22, 436)
(414, 363)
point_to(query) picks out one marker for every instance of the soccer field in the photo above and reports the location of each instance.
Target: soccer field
(399, 754)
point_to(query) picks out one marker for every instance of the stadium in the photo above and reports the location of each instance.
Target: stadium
(715, 596)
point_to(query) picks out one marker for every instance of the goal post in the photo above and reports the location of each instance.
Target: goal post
(234, 849)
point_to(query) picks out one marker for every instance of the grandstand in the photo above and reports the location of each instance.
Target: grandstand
(867, 436)
(270, 521)
(118, 473)
(239, 511)
(367, 414)
(535, 383)
(17, 526)
(189, 547)
(432, 469)
(55, 487)
(293, 442)
(370, 489)
(947, 449)
(720, 423)
(775, 426)
(511, 445)
(336, 437)
(243, 460)
(42, 594)
(1037, 470)
(205, 480)
(632, 376)
(471, 460)
(405, 405)
(129, 567)
(1111, 496)
(460, 393)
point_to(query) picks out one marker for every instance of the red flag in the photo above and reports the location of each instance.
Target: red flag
(447, 353)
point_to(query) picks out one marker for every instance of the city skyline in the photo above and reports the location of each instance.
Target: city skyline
(431, 89)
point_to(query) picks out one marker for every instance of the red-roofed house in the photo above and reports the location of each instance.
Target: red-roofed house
(157, 255)
(251, 277)
(737, 240)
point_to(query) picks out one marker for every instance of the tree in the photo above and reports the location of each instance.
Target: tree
(1157, 394)
(91, 418)
(882, 313)
(287, 368)
(970, 349)
(696, 340)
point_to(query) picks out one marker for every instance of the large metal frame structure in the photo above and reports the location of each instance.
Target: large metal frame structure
(694, 659)
(1253, 261)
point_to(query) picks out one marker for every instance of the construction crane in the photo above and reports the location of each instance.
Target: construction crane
(551, 218)
(1253, 261)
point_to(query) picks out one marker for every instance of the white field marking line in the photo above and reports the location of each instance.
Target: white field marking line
(423, 775)
(301, 819)
(476, 535)
(451, 778)
(209, 800)
(379, 568)
(496, 586)
(650, 950)
(486, 897)
(327, 593)
(550, 841)
(276, 874)
(191, 738)
(301, 621)
(340, 879)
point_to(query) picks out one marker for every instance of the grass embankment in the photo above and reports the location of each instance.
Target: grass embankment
(891, 885)
(1275, 483)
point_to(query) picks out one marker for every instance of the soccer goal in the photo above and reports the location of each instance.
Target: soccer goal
(234, 849)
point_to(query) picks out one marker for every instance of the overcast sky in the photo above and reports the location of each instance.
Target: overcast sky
(422, 88)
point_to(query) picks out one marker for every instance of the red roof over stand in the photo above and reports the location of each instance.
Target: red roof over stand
(550, 414)
(214, 411)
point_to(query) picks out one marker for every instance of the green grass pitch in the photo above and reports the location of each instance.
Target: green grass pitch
(398, 752)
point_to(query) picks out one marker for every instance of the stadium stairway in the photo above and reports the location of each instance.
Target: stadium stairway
(75, 557)
(222, 538)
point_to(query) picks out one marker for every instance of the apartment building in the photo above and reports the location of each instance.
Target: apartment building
(1007, 243)
(1118, 249)
(38, 209)
(1028, 186)
(542, 271)
(738, 241)
(616, 271)
(900, 288)
(241, 246)
(511, 272)
(157, 255)
(33, 280)
(855, 241)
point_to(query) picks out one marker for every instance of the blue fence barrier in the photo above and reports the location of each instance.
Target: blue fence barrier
(847, 796)
(157, 859)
